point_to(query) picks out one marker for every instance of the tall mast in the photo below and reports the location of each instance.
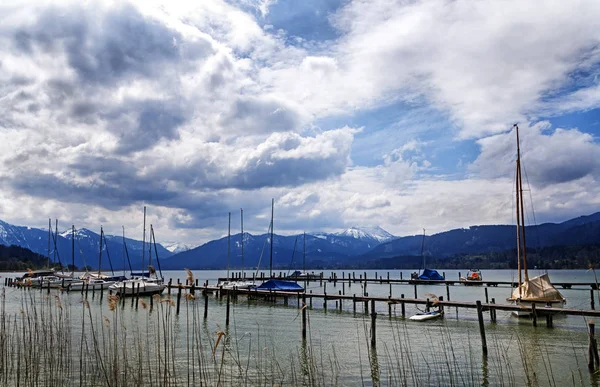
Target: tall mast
(73, 249)
(518, 209)
(228, 244)
(304, 254)
(123, 250)
(242, 224)
(55, 246)
(522, 207)
(49, 237)
(144, 241)
(100, 256)
(150, 249)
(272, 226)
(423, 250)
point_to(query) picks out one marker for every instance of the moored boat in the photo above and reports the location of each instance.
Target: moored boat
(473, 278)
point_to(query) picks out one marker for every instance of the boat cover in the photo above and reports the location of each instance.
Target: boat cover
(537, 289)
(287, 286)
(431, 275)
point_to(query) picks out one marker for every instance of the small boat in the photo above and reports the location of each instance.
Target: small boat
(427, 315)
(142, 286)
(473, 278)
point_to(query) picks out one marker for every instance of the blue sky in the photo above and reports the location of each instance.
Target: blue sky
(366, 112)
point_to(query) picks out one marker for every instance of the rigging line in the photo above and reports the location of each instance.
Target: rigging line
(537, 235)
(107, 254)
(293, 252)
(263, 249)
(127, 254)
(54, 238)
(156, 251)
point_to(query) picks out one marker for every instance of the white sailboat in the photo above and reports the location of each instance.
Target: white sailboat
(538, 290)
(143, 285)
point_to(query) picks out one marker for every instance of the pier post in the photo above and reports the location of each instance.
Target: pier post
(390, 290)
(101, 290)
(180, 288)
(373, 326)
(340, 293)
(486, 296)
(169, 285)
(481, 327)
(447, 292)
(403, 306)
(390, 308)
(137, 296)
(310, 300)
(415, 291)
(493, 311)
(367, 307)
(87, 289)
(354, 303)
(205, 306)
(533, 314)
(549, 323)
(592, 348)
(304, 316)
(592, 299)
(388, 276)
(366, 294)
(193, 288)
(400, 276)
(227, 312)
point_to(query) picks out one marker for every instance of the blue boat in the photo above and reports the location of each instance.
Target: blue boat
(430, 275)
(284, 286)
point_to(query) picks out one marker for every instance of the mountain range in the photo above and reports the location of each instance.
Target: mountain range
(349, 247)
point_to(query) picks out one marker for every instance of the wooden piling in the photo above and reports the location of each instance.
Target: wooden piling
(481, 327)
(367, 307)
(447, 292)
(340, 293)
(486, 295)
(403, 306)
(549, 323)
(205, 306)
(592, 299)
(415, 291)
(227, 312)
(493, 311)
(592, 347)
(303, 316)
(373, 325)
(533, 314)
(101, 290)
(137, 296)
(179, 297)
(169, 286)
(354, 303)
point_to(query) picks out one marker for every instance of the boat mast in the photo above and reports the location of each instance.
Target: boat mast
(73, 249)
(49, 237)
(518, 209)
(123, 250)
(100, 256)
(144, 241)
(304, 254)
(423, 250)
(242, 220)
(228, 245)
(271, 257)
(520, 195)
(55, 246)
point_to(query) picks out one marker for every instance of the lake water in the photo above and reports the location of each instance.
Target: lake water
(264, 339)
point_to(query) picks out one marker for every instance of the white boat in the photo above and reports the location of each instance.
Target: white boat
(138, 286)
(233, 284)
(427, 315)
(473, 278)
(90, 284)
(538, 290)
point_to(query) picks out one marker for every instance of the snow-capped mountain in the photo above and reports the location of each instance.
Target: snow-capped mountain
(86, 247)
(366, 233)
(177, 247)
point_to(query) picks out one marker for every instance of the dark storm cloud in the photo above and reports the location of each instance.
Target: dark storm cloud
(154, 120)
(107, 47)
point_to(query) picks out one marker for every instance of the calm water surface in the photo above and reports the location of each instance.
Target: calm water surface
(437, 352)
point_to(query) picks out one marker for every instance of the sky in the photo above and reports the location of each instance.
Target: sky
(347, 113)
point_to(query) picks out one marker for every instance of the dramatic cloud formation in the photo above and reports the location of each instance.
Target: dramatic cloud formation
(396, 113)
